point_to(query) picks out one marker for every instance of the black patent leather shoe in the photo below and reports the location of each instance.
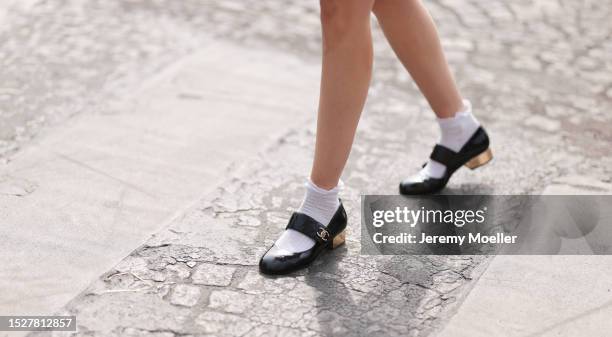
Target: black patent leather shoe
(473, 154)
(277, 262)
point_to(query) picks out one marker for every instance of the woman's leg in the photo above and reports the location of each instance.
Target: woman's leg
(414, 38)
(346, 72)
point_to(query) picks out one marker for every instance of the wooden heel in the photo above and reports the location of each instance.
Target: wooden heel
(480, 159)
(339, 239)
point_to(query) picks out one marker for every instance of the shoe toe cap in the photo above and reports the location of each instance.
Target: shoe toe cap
(414, 186)
(276, 261)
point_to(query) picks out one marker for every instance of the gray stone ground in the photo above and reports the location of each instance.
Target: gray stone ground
(539, 75)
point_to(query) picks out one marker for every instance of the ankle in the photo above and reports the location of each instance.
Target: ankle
(322, 183)
(448, 109)
(319, 203)
(456, 131)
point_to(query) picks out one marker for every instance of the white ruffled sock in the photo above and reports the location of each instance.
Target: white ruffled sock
(321, 205)
(454, 133)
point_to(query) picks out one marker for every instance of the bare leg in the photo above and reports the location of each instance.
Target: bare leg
(414, 38)
(346, 72)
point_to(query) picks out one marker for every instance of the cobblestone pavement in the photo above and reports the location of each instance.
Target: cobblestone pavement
(539, 75)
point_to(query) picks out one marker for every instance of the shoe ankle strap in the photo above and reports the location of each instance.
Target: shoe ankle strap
(310, 227)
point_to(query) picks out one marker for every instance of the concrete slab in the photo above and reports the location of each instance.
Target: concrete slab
(83, 195)
(541, 295)
(538, 296)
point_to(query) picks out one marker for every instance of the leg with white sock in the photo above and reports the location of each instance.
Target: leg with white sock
(345, 78)
(347, 64)
(413, 36)
(463, 142)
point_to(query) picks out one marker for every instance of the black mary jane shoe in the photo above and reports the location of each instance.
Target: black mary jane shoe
(277, 262)
(473, 154)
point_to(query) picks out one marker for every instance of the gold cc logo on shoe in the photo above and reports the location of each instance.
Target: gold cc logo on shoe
(323, 234)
